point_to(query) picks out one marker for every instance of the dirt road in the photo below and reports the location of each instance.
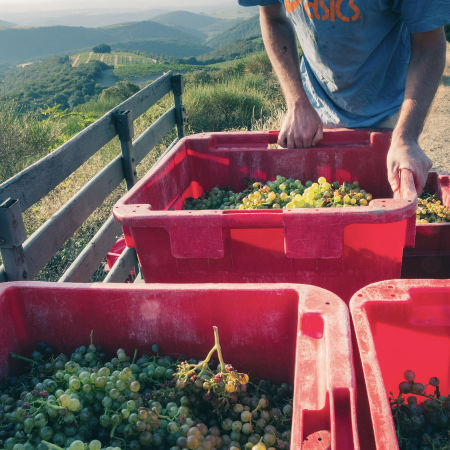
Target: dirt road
(435, 138)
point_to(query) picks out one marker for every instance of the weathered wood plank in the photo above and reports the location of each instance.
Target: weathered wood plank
(37, 180)
(92, 255)
(122, 268)
(177, 88)
(69, 218)
(153, 134)
(15, 264)
(124, 125)
(140, 102)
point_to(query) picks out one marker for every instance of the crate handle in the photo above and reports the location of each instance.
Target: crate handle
(407, 191)
(196, 238)
(324, 365)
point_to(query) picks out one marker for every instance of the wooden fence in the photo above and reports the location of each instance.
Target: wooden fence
(24, 257)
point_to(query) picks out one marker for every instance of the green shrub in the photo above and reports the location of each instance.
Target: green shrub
(120, 92)
(258, 64)
(102, 48)
(223, 106)
(24, 138)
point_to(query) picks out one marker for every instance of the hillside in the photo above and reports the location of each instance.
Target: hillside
(18, 45)
(237, 49)
(111, 59)
(245, 30)
(191, 21)
(51, 82)
(164, 47)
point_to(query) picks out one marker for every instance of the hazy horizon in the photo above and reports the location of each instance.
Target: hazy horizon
(24, 6)
(105, 12)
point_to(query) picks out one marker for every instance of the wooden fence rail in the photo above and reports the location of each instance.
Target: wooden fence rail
(24, 257)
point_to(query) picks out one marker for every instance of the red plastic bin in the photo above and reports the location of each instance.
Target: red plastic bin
(430, 257)
(400, 325)
(338, 249)
(113, 255)
(286, 333)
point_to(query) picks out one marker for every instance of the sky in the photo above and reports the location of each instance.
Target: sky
(75, 5)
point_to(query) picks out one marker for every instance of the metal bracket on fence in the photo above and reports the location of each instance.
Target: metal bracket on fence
(12, 236)
(123, 121)
(180, 110)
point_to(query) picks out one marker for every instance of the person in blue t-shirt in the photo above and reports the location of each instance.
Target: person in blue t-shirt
(366, 63)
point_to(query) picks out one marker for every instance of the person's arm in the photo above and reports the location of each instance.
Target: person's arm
(302, 126)
(425, 69)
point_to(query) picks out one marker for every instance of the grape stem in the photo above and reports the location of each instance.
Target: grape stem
(218, 348)
(50, 445)
(113, 430)
(258, 407)
(160, 416)
(203, 365)
(134, 356)
(91, 337)
(23, 358)
(43, 402)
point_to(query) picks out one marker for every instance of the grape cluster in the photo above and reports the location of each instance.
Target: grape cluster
(431, 210)
(424, 425)
(152, 402)
(283, 193)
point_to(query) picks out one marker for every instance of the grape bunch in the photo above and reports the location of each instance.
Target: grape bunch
(424, 425)
(283, 193)
(85, 402)
(431, 210)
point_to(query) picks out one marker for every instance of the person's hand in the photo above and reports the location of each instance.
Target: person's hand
(301, 127)
(407, 155)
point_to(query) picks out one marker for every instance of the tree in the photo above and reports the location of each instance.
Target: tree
(102, 48)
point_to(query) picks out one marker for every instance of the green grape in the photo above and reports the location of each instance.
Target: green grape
(74, 384)
(103, 372)
(134, 386)
(84, 377)
(77, 445)
(74, 404)
(108, 404)
(95, 445)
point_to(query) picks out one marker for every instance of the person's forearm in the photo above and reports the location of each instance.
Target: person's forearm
(281, 46)
(425, 69)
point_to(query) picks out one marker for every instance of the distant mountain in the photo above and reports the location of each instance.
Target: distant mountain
(248, 29)
(5, 24)
(82, 18)
(192, 21)
(23, 44)
(164, 47)
(186, 18)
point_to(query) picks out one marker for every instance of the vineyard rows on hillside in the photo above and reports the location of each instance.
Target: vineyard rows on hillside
(111, 59)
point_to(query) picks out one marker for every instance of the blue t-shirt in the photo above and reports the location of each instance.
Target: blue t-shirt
(356, 53)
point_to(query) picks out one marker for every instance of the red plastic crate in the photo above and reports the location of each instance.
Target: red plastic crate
(338, 249)
(286, 333)
(399, 325)
(430, 258)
